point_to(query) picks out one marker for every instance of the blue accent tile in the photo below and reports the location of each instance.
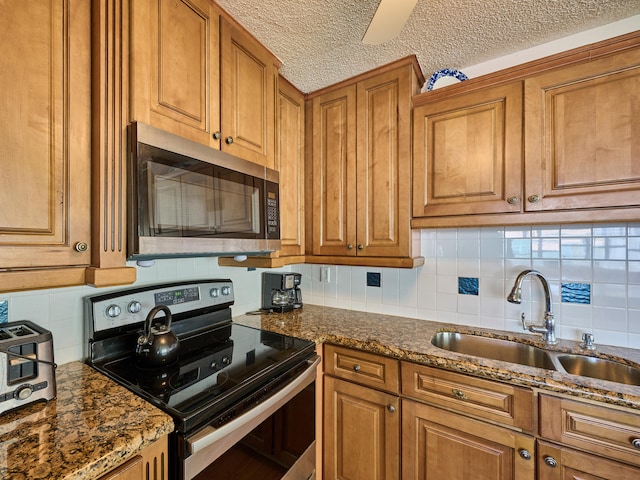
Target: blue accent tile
(4, 311)
(576, 293)
(373, 279)
(468, 286)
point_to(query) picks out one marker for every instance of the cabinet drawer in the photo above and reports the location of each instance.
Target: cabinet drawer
(497, 402)
(361, 367)
(596, 429)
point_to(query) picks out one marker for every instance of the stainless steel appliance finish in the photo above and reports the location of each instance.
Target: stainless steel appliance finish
(281, 291)
(227, 378)
(27, 369)
(187, 199)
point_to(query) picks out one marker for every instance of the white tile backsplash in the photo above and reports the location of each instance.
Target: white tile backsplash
(605, 256)
(599, 255)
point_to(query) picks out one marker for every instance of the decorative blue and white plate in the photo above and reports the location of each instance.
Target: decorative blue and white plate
(445, 72)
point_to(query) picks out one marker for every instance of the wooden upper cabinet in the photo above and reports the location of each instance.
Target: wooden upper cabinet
(384, 164)
(361, 166)
(174, 67)
(334, 169)
(290, 163)
(196, 74)
(582, 131)
(248, 79)
(468, 153)
(555, 140)
(45, 137)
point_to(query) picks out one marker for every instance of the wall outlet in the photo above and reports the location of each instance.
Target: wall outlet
(325, 274)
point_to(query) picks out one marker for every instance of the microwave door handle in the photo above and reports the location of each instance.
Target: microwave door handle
(212, 442)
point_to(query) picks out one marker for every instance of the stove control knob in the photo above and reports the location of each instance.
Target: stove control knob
(113, 311)
(23, 392)
(134, 307)
(226, 360)
(226, 290)
(214, 365)
(214, 292)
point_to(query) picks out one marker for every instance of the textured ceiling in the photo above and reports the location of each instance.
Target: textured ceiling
(319, 41)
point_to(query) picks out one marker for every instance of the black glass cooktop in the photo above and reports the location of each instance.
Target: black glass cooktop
(216, 368)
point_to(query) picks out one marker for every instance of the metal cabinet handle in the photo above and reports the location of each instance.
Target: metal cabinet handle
(636, 443)
(459, 394)
(350, 246)
(360, 246)
(356, 368)
(551, 462)
(525, 454)
(229, 140)
(391, 408)
(216, 135)
(81, 247)
(513, 200)
(533, 198)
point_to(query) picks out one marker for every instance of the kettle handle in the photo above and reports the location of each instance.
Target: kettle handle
(152, 313)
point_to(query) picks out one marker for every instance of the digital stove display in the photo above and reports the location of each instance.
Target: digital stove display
(175, 297)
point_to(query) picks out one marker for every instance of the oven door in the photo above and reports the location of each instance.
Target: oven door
(206, 449)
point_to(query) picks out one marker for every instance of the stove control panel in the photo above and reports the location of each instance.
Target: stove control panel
(131, 306)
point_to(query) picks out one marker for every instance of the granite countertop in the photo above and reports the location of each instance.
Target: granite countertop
(410, 339)
(91, 427)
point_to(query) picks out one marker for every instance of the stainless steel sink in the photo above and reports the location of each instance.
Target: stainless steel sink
(599, 368)
(523, 354)
(493, 348)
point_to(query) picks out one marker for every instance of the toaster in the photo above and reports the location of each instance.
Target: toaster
(27, 369)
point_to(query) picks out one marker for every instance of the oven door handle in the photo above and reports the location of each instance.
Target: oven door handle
(235, 430)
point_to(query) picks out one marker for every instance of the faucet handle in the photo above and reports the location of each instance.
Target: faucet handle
(588, 341)
(524, 321)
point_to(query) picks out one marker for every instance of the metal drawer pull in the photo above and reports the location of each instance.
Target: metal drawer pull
(636, 443)
(391, 408)
(550, 461)
(356, 368)
(525, 454)
(459, 394)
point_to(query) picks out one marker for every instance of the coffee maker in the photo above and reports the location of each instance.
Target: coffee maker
(281, 291)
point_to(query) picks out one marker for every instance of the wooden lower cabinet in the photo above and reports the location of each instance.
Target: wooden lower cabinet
(561, 463)
(150, 464)
(437, 444)
(361, 432)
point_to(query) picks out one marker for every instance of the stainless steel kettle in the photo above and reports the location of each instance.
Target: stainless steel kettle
(157, 345)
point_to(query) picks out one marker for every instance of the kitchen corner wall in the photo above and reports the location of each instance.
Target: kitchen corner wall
(593, 270)
(467, 275)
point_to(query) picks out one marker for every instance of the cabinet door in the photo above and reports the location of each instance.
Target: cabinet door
(361, 432)
(290, 164)
(468, 153)
(174, 67)
(45, 137)
(130, 470)
(560, 463)
(248, 78)
(334, 171)
(604, 431)
(437, 444)
(384, 164)
(582, 130)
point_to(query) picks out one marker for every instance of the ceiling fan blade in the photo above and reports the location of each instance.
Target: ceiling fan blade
(388, 21)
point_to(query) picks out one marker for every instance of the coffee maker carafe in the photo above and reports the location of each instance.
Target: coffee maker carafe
(281, 291)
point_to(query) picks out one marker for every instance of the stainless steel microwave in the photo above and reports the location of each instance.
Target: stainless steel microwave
(187, 199)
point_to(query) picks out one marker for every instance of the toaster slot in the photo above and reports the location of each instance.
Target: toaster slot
(24, 365)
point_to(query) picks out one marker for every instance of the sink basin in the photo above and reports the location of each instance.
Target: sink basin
(493, 348)
(600, 368)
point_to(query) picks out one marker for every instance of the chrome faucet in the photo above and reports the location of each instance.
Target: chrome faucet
(548, 329)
